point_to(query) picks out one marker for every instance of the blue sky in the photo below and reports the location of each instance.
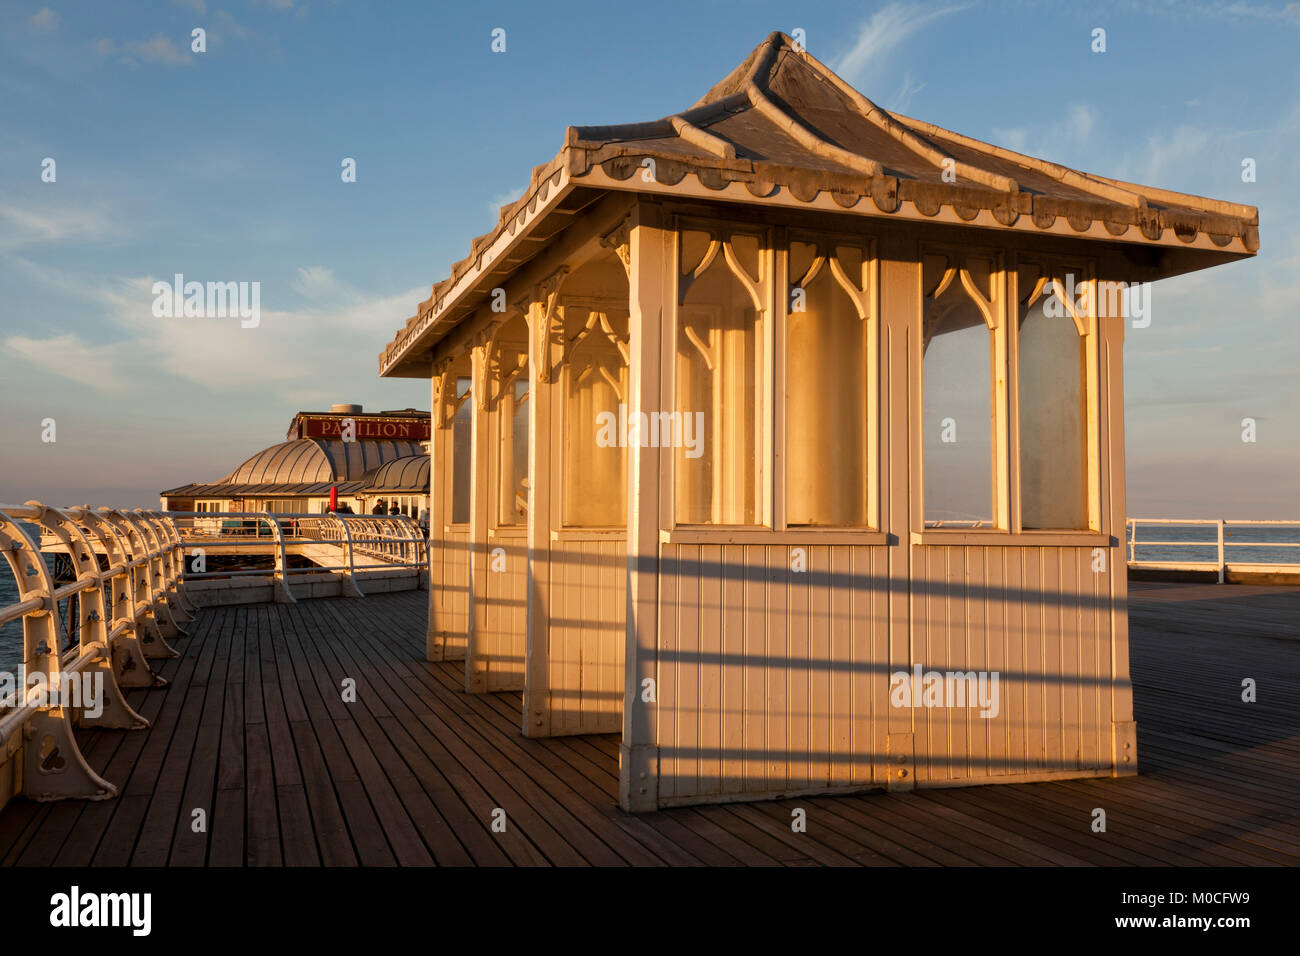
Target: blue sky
(225, 165)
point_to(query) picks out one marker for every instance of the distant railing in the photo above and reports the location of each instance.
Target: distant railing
(1194, 551)
(389, 542)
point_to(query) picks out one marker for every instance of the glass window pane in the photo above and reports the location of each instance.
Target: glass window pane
(595, 393)
(461, 461)
(826, 401)
(512, 425)
(715, 418)
(1053, 419)
(958, 411)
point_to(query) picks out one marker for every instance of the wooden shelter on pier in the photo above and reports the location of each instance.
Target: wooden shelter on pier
(784, 435)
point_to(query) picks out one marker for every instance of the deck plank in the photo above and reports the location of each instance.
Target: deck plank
(253, 728)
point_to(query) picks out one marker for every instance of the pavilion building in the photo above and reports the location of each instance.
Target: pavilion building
(369, 460)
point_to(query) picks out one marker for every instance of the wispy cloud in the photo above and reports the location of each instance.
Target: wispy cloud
(157, 49)
(1286, 13)
(879, 38)
(69, 356)
(22, 226)
(1059, 141)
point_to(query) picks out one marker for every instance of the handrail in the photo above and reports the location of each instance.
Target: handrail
(1219, 543)
(129, 578)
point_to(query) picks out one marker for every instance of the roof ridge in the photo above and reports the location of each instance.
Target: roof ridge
(1064, 174)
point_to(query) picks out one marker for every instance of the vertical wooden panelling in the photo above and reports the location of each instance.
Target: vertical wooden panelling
(778, 638)
(667, 674)
(837, 665)
(1051, 595)
(799, 623)
(732, 698)
(504, 595)
(708, 652)
(999, 637)
(686, 745)
(752, 701)
(584, 653)
(976, 737)
(1072, 601)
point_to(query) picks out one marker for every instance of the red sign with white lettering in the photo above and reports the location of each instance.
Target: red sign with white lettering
(393, 429)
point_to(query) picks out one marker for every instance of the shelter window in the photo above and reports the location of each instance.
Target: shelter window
(510, 373)
(595, 417)
(461, 452)
(1055, 336)
(716, 425)
(829, 385)
(960, 375)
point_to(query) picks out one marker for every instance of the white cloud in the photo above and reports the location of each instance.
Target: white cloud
(45, 19)
(291, 352)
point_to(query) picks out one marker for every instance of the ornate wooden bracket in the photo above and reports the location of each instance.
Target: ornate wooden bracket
(544, 325)
(620, 241)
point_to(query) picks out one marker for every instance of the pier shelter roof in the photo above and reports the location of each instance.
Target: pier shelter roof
(783, 130)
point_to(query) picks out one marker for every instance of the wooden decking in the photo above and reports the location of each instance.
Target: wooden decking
(253, 730)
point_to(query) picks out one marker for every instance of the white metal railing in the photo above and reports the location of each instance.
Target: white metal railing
(130, 601)
(1221, 530)
(129, 573)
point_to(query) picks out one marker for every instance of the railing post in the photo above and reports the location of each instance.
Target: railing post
(348, 586)
(129, 662)
(1132, 539)
(53, 767)
(182, 594)
(173, 566)
(140, 593)
(280, 585)
(111, 709)
(159, 574)
(1222, 561)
